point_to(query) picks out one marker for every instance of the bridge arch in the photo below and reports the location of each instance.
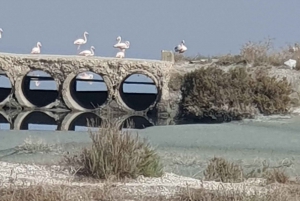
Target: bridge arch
(138, 101)
(72, 100)
(36, 98)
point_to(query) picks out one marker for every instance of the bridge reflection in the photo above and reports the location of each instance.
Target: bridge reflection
(74, 121)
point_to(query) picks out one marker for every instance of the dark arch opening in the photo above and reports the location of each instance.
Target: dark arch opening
(4, 124)
(138, 92)
(39, 88)
(136, 122)
(80, 123)
(38, 121)
(89, 90)
(5, 87)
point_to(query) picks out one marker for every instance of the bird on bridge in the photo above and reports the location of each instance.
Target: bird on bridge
(81, 41)
(1, 31)
(88, 52)
(120, 45)
(121, 54)
(37, 49)
(181, 48)
(85, 76)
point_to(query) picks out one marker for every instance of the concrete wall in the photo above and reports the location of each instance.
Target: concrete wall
(65, 68)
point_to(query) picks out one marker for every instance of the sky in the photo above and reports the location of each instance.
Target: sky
(208, 27)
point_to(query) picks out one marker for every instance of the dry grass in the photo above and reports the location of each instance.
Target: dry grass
(253, 53)
(112, 193)
(221, 170)
(284, 193)
(35, 145)
(116, 154)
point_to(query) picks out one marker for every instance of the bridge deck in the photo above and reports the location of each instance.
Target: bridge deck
(74, 57)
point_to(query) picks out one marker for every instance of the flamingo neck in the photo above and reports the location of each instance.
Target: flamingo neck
(84, 35)
(92, 51)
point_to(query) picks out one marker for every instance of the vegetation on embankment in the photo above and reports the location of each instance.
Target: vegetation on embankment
(236, 86)
(234, 94)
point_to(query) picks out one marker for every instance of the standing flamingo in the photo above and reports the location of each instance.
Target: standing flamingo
(37, 49)
(85, 76)
(88, 52)
(81, 41)
(120, 45)
(181, 48)
(121, 54)
(1, 31)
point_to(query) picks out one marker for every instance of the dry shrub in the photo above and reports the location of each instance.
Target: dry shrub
(221, 170)
(290, 193)
(229, 59)
(233, 92)
(117, 154)
(175, 82)
(271, 96)
(276, 175)
(260, 53)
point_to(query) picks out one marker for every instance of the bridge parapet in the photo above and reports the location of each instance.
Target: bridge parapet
(64, 69)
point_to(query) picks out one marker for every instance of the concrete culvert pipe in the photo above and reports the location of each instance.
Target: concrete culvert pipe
(37, 89)
(138, 92)
(85, 91)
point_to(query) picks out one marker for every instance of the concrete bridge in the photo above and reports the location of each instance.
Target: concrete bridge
(64, 71)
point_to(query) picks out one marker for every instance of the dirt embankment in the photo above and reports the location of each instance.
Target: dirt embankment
(279, 72)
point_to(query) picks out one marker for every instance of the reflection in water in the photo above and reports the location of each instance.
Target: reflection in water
(137, 122)
(75, 121)
(82, 120)
(4, 124)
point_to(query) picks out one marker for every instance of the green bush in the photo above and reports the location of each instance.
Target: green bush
(234, 91)
(116, 154)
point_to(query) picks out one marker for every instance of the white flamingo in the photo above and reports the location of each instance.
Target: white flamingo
(88, 52)
(121, 54)
(181, 48)
(86, 76)
(37, 49)
(1, 31)
(120, 45)
(81, 41)
(36, 82)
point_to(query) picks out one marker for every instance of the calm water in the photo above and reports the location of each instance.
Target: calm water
(72, 121)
